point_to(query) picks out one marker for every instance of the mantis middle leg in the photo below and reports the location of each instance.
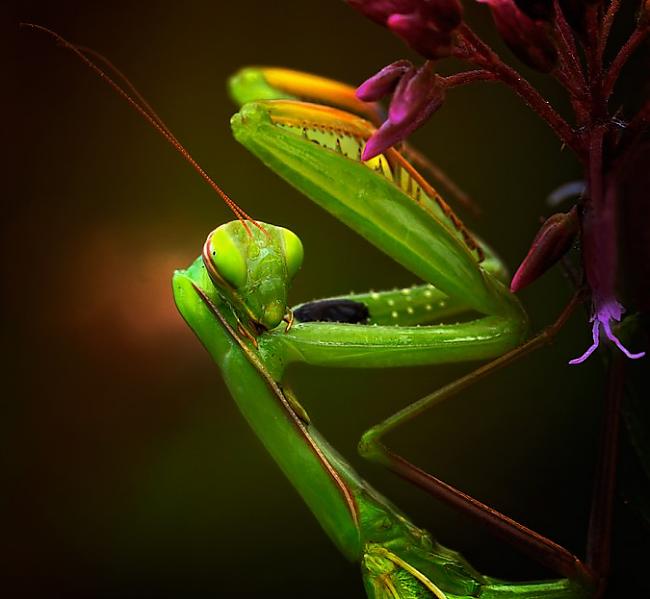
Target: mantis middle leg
(335, 343)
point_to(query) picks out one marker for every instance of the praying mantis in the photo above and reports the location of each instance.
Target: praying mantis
(234, 297)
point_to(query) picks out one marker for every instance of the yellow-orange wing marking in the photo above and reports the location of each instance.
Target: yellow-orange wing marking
(306, 116)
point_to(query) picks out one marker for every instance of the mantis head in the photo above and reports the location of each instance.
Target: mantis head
(252, 269)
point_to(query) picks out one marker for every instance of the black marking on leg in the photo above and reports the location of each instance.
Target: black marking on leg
(333, 310)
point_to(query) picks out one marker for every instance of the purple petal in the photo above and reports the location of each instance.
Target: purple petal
(384, 82)
(614, 339)
(605, 312)
(596, 336)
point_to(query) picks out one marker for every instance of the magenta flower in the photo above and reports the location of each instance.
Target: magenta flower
(549, 36)
(427, 26)
(606, 311)
(418, 94)
(529, 39)
(600, 259)
(384, 82)
(380, 10)
(444, 15)
(425, 40)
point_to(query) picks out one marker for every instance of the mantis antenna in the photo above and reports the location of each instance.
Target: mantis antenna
(149, 114)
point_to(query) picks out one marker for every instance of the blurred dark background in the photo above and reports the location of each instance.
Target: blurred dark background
(129, 471)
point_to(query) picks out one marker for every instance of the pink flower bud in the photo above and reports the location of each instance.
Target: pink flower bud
(416, 92)
(553, 240)
(417, 96)
(425, 25)
(528, 39)
(384, 82)
(421, 36)
(380, 10)
(445, 15)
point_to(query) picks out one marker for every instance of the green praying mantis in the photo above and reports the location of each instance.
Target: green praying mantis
(234, 297)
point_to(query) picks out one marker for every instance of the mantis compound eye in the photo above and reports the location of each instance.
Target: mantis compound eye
(227, 257)
(293, 251)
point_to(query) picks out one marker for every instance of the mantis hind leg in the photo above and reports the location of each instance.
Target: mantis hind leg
(538, 547)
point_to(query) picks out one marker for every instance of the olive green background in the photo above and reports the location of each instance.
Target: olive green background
(130, 471)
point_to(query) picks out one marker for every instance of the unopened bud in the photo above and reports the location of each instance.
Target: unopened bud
(417, 96)
(425, 25)
(421, 36)
(528, 39)
(380, 10)
(419, 92)
(384, 82)
(445, 15)
(553, 240)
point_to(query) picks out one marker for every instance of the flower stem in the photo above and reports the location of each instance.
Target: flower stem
(595, 168)
(608, 20)
(567, 47)
(593, 46)
(571, 73)
(466, 77)
(635, 40)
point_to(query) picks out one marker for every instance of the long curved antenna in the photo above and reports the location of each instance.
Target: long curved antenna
(136, 95)
(145, 110)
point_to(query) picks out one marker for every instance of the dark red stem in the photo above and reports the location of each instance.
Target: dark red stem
(577, 91)
(600, 521)
(608, 20)
(571, 73)
(592, 47)
(635, 40)
(568, 49)
(466, 77)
